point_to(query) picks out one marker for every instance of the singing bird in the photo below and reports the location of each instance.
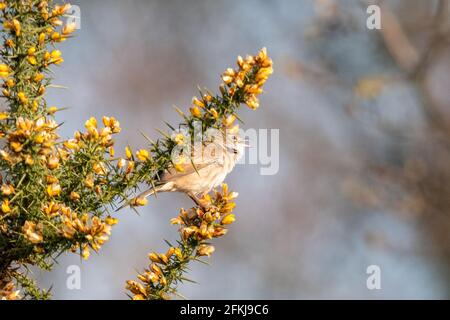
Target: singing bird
(210, 163)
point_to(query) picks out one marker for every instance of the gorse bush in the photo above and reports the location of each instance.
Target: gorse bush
(59, 195)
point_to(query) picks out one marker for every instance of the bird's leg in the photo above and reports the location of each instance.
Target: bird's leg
(198, 201)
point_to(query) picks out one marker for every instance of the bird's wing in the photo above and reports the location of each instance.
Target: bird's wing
(202, 157)
(184, 170)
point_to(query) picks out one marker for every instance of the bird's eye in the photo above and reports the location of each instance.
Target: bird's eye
(235, 151)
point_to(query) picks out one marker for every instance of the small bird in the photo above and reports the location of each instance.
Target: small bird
(210, 163)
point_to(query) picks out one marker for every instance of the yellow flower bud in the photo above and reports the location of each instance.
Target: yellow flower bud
(41, 38)
(229, 219)
(89, 182)
(178, 253)
(17, 27)
(39, 77)
(128, 153)
(121, 163)
(31, 51)
(214, 113)
(10, 83)
(154, 257)
(85, 253)
(111, 221)
(10, 43)
(16, 146)
(74, 196)
(56, 37)
(141, 201)
(69, 28)
(198, 102)
(179, 139)
(4, 115)
(71, 144)
(22, 98)
(143, 155)
(91, 123)
(53, 190)
(195, 111)
(5, 71)
(205, 250)
(5, 206)
(32, 60)
(55, 55)
(33, 232)
(53, 162)
(7, 189)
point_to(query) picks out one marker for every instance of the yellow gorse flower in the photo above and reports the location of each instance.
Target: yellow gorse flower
(54, 190)
(196, 227)
(33, 232)
(128, 153)
(5, 206)
(138, 202)
(7, 189)
(143, 155)
(13, 25)
(5, 71)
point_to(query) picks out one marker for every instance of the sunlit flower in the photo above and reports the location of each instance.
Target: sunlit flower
(143, 155)
(71, 144)
(128, 153)
(33, 232)
(8, 290)
(140, 201)
(121, 163)
(85, 252)
(22, 97)
(136, 288)
(7, 189)
(4, 115)
(89, 182)
(179, 139)
(198, 102)
(112, 123)
(205, 250)
(53, 190)
(53, 162)
(60, 10)
(229, 219)
(56, 58)
(91, 123)
(51, 209)
(69, 28)
(111, 221)
(100, 169)
(13, 25)
(5, 206)
(195, 111)
(74, 196)
(42, 38)
(5, 71)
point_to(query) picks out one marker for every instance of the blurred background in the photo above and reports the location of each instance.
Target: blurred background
(364, 120)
